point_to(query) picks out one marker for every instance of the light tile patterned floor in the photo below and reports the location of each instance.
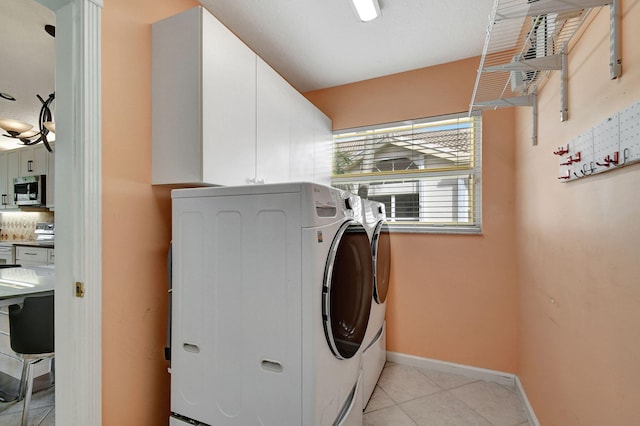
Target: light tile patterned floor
(404, 396)
(41, 410)
(415, 397)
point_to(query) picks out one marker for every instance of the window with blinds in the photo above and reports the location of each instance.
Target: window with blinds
(426, 172)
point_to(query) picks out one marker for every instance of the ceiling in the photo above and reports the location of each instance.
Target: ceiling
(27, 55)
(312, 44)
(316, 44)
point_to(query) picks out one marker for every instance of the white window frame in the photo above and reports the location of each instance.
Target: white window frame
(474, 170)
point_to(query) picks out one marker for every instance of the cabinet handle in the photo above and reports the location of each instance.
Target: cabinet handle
(4, 199)
(30, 166)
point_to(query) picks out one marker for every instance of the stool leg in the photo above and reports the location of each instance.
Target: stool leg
(27, 395)
(23, 378)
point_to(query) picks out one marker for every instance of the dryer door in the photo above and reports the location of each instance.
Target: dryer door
(381, 249)
(347, 290)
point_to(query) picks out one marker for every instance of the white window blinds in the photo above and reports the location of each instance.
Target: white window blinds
(426, 172)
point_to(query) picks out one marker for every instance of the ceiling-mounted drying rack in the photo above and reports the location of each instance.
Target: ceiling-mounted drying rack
(527, 39)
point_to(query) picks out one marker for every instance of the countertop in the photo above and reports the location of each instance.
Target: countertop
(44, 244)
(19, 282)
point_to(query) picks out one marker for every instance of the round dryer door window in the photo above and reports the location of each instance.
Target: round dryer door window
(381, 249)
(347, 290)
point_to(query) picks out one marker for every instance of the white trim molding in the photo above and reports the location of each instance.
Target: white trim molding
(78, 174)
(531, 415)
(506, 379)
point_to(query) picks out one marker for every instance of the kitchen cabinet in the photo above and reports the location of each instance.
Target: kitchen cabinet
(220, 114)
(32, 256)
(13, 170)
(51, 177)
(33, 160)
(4, 182)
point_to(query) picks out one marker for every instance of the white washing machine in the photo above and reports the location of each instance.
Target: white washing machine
(272, 290)
(375, 342)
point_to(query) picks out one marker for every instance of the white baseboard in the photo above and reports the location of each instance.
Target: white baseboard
(500, 377)
(531, 415)
(506, 379)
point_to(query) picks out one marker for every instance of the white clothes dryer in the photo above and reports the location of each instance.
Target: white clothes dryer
(375, 341)
(271, 300)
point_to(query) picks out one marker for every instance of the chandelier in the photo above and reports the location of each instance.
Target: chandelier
(25, 132)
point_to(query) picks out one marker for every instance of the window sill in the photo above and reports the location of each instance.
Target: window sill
(430, 229)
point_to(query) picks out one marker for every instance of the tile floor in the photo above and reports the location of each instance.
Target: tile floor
(404, 396)
(414, 397)
(41, 410)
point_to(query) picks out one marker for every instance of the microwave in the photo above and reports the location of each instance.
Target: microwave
(30, 190)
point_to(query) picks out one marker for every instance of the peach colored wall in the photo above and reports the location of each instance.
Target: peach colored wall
(136, 221)
(452, 297)
(579, 247)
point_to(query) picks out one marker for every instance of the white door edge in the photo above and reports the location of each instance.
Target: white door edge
(78, 191)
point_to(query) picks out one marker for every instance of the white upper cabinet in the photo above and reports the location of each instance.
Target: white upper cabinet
(220, 114)
(301, 142)
(51, 177)
(33, 160)
(203, 102)
(323, 148)
(13, 171)
(27, 161)
(274, 108)
(4, 182)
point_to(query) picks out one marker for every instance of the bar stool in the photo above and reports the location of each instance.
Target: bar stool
(31, 329)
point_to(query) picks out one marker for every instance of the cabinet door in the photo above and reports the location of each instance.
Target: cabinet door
(13, 171)
(301, 141)
(175, 94)
(323, 152)
(4, 183)
(275, 102)
(51, 177)
(228, 106)
(203, 82)
(31, 256)
(33, 160)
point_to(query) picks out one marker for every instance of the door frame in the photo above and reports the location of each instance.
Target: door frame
(78, 188)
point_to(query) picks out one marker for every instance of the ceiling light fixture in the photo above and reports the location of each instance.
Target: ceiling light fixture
(7, 96)
(25, 133)
(367, 10)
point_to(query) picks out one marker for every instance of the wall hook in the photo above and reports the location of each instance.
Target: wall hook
(562, 150)
(587, 169)
(625, 156)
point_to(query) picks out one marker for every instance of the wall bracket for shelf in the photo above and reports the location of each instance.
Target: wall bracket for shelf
(564, 85)
(526, 40)
(615, 66)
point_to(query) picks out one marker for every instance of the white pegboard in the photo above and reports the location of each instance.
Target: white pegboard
(582, 148)
(606, 142)
(611, 144)
(630, 134)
